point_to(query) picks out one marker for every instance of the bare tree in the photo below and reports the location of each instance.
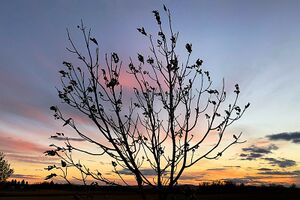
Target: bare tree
(5, 170)
(161, 128)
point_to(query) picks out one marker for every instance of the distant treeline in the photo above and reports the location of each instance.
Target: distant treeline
(204, 188)
(14, 184)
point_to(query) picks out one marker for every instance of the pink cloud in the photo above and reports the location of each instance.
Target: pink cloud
(14, 109)
(38, 159)
(12, 144)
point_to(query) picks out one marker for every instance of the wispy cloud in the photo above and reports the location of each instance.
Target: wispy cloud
(216, 169)
(253, 152)
(282, 173)
(286, 136)
(264, 169)
(259, 153)
(282, 162)
(146, 172)
(191, 177)
(262, 150)
(251, 156)
(248, 179)
(38, 159)
(25, 176)
(232, 166)
(15, 144)
(67, 138)
(276, 173)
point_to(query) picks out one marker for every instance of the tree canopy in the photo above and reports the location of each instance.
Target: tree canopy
(5, 169)
(157, 128)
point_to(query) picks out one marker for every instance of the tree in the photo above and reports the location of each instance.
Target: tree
(160, 128)
(5, 170)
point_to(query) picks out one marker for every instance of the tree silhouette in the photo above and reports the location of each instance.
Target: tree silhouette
(156, 132)
(5, 170)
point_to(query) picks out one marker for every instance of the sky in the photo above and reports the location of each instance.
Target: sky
(253, 43)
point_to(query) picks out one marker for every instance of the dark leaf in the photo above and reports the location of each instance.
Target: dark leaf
(79, 165)
(67, 64)
(165, 8)
(60, 134)
(156, 14)
(54, 108)
(119, 101)
(50, 153)
(50, 176)
(247, 105)
(131, 67)
(114, 164)
(150, 61)
(159, 43)
(141, 58)
(115, 57)
(188, 47)
(70, 88)
(174, 62)
(94, 40)
(162, 35)
(173, 39)
(237, 91)
(199, 62)
(89, 89)
(237, 86)
(63, 163)
(136, 105)
(113, 82)
(206, 73)
(142, 31)
(63, 73)
(50, 167)
(237, 108)
(72, 82)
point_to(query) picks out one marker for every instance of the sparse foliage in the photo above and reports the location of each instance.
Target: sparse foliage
(172, 111)
(5, 170)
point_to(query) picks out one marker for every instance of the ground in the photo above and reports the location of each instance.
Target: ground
(113, 195)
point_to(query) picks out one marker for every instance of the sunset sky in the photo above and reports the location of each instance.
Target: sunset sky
(254, 43)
